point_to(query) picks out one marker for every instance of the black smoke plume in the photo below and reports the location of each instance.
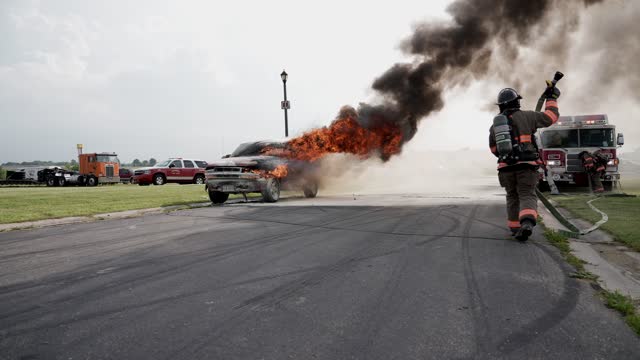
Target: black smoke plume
(446, 54)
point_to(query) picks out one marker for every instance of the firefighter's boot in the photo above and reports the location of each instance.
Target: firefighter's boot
(525, 230)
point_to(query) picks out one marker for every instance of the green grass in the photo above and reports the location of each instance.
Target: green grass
(36, 203)
(614, 300)
(625, 306)
(562, 243)
(623, 213)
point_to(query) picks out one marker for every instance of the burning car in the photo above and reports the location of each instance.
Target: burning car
(260, 167)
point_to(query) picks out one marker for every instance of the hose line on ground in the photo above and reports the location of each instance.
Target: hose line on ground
(603, 220)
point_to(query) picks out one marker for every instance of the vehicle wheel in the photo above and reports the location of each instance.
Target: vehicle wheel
(608, 185)
(131, 181)
(158, 179)
(271, 192)
(51, 181)
(199, 179)
(310, 189)
(218, 197)
(92, 181)
(62, 181)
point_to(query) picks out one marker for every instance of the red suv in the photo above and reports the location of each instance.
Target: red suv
(176, 170)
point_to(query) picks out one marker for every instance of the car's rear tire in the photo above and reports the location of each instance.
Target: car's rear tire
(218, 197)
(310, 189)
(271, 191)
(131, 181)
(159, 179)
(198, 179)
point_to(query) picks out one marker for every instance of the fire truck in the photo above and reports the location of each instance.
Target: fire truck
(562, 143)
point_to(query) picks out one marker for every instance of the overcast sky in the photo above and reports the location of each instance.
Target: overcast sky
(152, 78)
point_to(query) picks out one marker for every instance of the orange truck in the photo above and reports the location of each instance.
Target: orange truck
(99, 168)
(95, 168)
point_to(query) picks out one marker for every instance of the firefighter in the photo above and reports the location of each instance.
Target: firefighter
(518, 171)
(594, 165)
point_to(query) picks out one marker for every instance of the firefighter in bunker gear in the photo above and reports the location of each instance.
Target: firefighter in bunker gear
(518, 172)
(595, 165)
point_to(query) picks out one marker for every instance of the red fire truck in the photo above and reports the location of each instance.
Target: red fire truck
(562, 143)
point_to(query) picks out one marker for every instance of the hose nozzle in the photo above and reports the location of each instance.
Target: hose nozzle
(557, 78)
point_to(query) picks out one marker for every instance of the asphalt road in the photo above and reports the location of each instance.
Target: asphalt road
(396, 277)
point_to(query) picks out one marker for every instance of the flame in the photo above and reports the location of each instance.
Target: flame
(344, 135)
(279, 172)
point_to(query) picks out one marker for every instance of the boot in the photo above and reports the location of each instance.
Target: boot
(525, 230)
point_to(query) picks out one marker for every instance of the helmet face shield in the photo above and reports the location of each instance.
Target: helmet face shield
(507, 95)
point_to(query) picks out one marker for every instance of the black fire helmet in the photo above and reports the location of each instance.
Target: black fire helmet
(508, 95)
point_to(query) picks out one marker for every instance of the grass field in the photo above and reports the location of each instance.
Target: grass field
(19, 204)
(623, 213)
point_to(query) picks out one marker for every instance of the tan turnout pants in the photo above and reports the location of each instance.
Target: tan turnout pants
(522, 202)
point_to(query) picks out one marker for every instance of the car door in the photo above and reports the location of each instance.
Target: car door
(189, 170)
(175, 170)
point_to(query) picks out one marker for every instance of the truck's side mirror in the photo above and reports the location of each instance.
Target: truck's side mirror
(226, 156)
(620, 139)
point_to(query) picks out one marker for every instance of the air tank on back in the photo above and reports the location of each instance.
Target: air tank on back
(502, 133)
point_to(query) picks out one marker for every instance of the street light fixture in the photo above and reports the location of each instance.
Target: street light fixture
(285, 104)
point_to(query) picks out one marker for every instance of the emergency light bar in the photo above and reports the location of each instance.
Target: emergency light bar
(600, 119)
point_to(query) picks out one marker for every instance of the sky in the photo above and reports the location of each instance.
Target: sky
(155, 78)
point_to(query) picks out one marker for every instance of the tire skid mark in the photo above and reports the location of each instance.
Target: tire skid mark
(100, 288)
(375, 323)
(567, 302)
(122, 284)
(272, 298)
(163, 300)
(214, 250)
(481, 221)
(481, 324)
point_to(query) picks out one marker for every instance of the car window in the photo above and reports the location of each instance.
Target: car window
(188, 164)
(201, 164)
(176, 164)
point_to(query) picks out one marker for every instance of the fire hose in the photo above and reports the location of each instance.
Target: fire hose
(550, 85)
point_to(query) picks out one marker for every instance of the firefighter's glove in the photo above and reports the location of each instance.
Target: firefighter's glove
(552, 93)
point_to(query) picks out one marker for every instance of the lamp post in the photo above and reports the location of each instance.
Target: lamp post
(285, 104)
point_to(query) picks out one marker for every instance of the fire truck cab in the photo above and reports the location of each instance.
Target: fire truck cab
(562, 143)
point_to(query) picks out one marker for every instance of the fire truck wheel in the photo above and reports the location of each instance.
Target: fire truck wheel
(218, 197)
(271, 191)
(61, 181)
(199, 179)
(158, 179)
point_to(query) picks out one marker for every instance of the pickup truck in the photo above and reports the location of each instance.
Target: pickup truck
(249, 170)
